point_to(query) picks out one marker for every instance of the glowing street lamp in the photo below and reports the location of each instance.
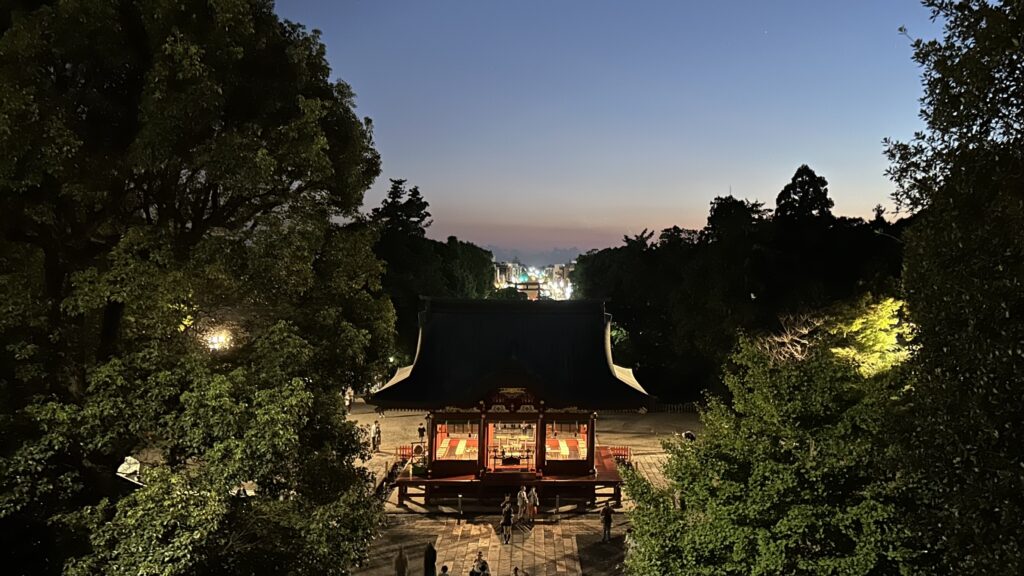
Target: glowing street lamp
(218, 340)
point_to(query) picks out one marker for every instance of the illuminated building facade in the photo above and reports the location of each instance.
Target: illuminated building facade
(512, 390)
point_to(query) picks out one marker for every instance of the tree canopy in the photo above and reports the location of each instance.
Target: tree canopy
(804, 198)
(177, 289)
(961, 445)
(682, 297)
(417, 266)
(403, 211)
(791, 476)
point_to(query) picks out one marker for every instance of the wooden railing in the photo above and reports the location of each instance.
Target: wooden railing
(621, 453)
(403, 452)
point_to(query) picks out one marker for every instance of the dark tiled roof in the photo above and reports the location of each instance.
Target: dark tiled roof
(560, 351)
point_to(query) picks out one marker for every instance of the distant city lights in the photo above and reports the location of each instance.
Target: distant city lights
(547, 283)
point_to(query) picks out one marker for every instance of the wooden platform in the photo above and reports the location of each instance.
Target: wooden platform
(493, 486)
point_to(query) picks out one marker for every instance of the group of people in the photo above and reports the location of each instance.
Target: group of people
(527, 504)
(375, 430)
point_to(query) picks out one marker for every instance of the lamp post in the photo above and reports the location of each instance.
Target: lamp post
(459, 521)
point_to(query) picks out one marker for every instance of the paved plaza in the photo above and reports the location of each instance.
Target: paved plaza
(570, 546)
(566, 544)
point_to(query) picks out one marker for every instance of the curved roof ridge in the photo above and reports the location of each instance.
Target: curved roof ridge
(465, 345)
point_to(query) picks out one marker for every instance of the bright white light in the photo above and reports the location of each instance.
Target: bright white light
(218, 340)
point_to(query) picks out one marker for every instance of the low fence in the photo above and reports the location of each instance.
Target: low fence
(684, 408)
(622, 454)
(403, 452)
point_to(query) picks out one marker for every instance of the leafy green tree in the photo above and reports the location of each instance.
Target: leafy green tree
(962, 445)
(791, 477)
(175, 289)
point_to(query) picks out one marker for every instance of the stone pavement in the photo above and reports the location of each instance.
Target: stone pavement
(571, 547)
(652, 467)
(397, 428)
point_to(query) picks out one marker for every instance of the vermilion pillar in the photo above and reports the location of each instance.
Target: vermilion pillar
(431, 435)
(591, 441)
(539, 452)
(481, 452)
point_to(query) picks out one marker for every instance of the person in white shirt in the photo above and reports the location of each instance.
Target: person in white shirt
(522, 503)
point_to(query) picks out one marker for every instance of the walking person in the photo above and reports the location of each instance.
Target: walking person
(422, 431)
(522, 503)
(534, 503)
(506, 521)
(401, 563)
(430, 560)
(606, 522)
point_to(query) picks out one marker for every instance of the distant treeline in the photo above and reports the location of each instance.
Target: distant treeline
(680, 299)
(417, 266)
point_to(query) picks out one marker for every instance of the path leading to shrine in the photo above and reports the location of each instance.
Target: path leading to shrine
(570, 546)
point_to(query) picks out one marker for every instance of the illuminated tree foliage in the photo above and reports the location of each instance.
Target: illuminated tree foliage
(962, 446)
(879, 338)
(791, 477)
(171, 170)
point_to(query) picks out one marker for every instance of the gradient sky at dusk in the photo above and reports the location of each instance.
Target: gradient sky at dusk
(538, 125)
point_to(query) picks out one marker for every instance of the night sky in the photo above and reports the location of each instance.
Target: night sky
(531, 126)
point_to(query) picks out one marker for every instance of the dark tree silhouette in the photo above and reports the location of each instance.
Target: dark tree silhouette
(732, 218)
(403, 211)
(509, 293)
(682, 299)
(804, 198)
(417, 266)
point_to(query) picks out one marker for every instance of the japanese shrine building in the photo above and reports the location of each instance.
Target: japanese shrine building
(512, 390)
